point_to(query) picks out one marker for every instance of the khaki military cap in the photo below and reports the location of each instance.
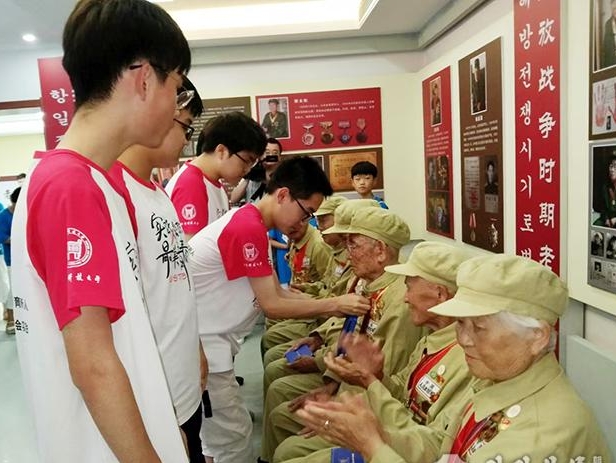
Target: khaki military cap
(344, 213)
(329, 205)
(380, 224)
(496, 283)
(433, 261)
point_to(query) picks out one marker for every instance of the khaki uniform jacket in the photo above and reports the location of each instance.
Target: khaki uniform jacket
(540, 419)
(315, 259)
(336, 277)
(442, 383)
(389, 321)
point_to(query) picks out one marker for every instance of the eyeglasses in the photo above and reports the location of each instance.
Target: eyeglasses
(188, 130)
(183, 98)
(248, 162)
(309, 215)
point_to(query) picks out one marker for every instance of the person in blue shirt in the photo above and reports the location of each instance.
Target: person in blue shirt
(363, 176)
(280, 245)
(6, 220)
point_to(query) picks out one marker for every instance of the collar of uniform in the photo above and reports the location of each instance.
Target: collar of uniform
(310, 234)
(494, 397)
(341, 254)
(382, 282)
(440, 339)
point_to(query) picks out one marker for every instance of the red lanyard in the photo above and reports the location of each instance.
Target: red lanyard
(428, 361)
(374, 298)
(298, 258)
(467, 435)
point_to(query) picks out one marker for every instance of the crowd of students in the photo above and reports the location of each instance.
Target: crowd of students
(127, 349)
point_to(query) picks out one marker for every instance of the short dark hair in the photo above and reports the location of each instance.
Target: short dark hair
(364, 168)
(195, 106)
(273, 100)
(273, 141)
(303, 177)
(103, 38)
(491, 163)
(236, 131)
(15, 195)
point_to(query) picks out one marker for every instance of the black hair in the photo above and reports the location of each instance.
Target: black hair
(303, 177)
(15, 195)
(273, 141)
(364, 168)
(236, 131)
(491, 163)
(195, 106)
(273, 100)
(20, 176)
(103, 38)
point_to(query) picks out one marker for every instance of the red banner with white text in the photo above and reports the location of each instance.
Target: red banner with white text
(537, 35)
(57, 99)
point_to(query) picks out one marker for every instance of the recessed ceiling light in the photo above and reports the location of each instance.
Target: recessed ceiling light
(29, 37)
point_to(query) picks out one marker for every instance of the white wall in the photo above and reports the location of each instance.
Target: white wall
(16, 152)
(19, 79)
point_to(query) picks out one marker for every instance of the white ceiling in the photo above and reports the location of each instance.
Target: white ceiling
(408, 24)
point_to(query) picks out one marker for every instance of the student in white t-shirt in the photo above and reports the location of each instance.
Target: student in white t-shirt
(228, 146)
(91, 368)
(167, 285)
(234, 282)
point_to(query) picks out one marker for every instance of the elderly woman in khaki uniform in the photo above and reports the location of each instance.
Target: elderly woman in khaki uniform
(375, 237)
(436, 372)
(520, 407)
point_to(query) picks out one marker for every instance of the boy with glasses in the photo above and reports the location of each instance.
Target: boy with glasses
(234, 282)
(91, 367)
(229, 146)
(167, 286)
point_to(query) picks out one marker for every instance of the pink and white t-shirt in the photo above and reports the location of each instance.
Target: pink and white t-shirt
(225, 255)
(167, 287)
(73, 245)
(197, 199)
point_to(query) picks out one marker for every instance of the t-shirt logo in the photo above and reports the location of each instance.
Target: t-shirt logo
(250, 252)
(189, 211)
(78, 248)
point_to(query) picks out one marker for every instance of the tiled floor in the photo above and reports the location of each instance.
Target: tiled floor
(17, 439)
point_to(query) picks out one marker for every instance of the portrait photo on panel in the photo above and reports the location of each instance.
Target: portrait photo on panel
(603, 33)
(435, 101)
(603, 186)
(478, 83)
(274, 116)
(439, 214)
(610, 246)
(603, 106)
(597, 244)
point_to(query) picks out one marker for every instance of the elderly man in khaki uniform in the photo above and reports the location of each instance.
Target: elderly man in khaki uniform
(436, 372)
(520, 407)
(375, 237)
(280, 337)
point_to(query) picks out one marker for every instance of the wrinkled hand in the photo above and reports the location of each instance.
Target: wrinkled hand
(351, 304)
(348, 423)
(313, 342)
(350, 372)
(320, 394)
(362, 363)
(304, 365)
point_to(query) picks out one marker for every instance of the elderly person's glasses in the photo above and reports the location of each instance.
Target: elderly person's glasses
(188, 130)
(308, 215)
